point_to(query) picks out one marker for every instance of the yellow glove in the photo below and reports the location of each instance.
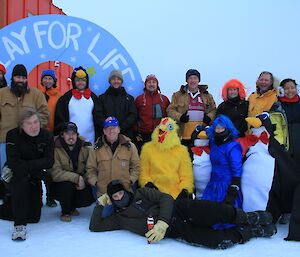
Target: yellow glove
(104, 199)
(158, 232)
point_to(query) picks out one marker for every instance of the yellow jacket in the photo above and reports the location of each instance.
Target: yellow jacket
(261, 103)
(170, 171)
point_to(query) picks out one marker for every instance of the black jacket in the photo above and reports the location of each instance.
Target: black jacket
(292, 112)
(146, 201)
(28, 156)
(62, 113)
(119, 104)
(236, 111)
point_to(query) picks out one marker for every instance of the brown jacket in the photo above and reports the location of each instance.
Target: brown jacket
(62, 169)
(180, 104)
(103, 166)
(11, 107)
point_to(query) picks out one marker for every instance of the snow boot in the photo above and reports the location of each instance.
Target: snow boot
(51, 203)
(250, 231)
(19, 233)
(66, 218)
(284, 218)
(253, 218)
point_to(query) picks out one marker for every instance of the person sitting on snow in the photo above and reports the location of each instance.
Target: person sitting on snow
(165, 162)
(184, 219)
(30, 153)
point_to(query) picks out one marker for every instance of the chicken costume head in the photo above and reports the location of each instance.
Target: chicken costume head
(165, 135)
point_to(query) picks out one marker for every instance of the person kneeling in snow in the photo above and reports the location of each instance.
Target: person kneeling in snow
(70, 186)
(185, 219)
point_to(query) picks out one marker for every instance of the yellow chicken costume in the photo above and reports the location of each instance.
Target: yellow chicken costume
(165, 162)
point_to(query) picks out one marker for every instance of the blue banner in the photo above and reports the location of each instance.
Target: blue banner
(71, 40)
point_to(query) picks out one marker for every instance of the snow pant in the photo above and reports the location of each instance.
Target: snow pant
(70, 198)
(5, 208)
(26, 196)
(48, 191)
(193, 220)
(294, 227)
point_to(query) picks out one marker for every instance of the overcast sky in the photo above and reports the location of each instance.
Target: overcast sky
(222, 39)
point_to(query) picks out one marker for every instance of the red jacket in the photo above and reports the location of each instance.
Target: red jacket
(144, 105)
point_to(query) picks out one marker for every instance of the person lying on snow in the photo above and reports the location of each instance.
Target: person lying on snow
(184, 219)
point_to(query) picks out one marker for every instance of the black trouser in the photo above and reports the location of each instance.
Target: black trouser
(294, 227)
(70, 198)
(193, 220)
(5, 208)
(48, 191)
(145, 138)
(26, 200)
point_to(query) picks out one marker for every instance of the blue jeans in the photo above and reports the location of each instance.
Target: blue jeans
(2, 156)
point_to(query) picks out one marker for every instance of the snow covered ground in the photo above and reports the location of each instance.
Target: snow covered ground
(51, 237)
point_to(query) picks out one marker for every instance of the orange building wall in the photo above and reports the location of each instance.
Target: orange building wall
(13, 10)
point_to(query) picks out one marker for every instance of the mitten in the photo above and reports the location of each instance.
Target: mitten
(104, 200)
(232, 191)
(151, 185)
(158, 232)
(184, 194)
(206, 119)
(184, 118)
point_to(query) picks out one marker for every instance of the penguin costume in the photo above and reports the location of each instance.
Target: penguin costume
(201, 160)
(269, 175)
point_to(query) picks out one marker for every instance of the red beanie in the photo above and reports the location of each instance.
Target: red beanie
(2, 69)
(152, 77)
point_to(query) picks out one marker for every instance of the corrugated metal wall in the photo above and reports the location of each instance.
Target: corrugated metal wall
(13, 10)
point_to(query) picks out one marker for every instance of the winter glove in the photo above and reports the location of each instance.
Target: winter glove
(206, 119)
(266, 122)
(232, 191)
(46, 177)
(151, 185)
(139, 137)
(158, 232)
(104, 200)
(184, 194)
(184, 118)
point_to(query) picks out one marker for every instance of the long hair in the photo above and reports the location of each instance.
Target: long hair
(226, 123)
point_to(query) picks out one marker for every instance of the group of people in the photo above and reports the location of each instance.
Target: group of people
(180, 163)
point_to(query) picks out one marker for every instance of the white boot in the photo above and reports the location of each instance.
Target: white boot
(19, 233)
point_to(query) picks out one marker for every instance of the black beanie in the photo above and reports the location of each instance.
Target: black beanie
(19, 70)
(114, 186)
(191, 72)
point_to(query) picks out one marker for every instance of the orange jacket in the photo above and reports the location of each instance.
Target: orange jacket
(52, 95)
